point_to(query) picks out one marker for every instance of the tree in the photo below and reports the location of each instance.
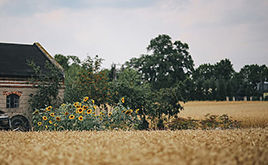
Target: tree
(62, 60)
(251, 76)
(93, 82)
(224, 69)
(169, 63)
(72, 66)
(47, 83)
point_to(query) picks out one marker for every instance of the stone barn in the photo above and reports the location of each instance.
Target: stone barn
(14, 77)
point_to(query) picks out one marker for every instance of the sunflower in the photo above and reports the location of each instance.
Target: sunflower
(79, 105)
(58, 118)
(93, 101)
(137, 110)
(85, 107)
(94, 107)
(50, 122)
(46, 127)
(101, 113)
(63, 105)
(39, 123)
(44, 118)
(128, 112)
(93, 113)
(52, 114)
(80, 110)
(55, 124)
(80, 118)
(76, 104)
(71, 117)
(36, 112)
(110, 114)
(89, 111)
(85, 99)
(48, 108)
(66, 113)
(123, 99)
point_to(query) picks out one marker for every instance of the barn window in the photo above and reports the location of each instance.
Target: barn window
(13, 101)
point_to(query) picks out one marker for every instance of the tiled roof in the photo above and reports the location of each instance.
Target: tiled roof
(14, 57)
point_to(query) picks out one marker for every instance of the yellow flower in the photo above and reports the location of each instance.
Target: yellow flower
(58, 118)
(71, 117)
(46, 127)
(66, 113)
(80, 110)
(93, 101)
(94, 113)
(49, 108)
(39, 123)
(101, 113)
(123, 99)
(80, 118)
(85, 107)
(50, 122)
(94, 107)
(85, 99)
(77, 105)
(110, 114)
(128, 112)
(137, 110)
(44, 118)
(89, 111)
(52, 114)
(131, 110)
(62, 105)
(55, 124)
(36, 112)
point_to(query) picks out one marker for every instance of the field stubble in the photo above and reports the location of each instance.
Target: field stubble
(242, 146)
(248, 145)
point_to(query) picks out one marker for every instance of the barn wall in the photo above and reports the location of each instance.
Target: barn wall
(22, 89)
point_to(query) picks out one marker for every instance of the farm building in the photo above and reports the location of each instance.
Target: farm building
(15, 74)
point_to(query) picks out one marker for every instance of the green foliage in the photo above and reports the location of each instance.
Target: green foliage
(93, 82)
(83, 115)
(169, 63)
(210, 122)
(47, 82)
(215, 121)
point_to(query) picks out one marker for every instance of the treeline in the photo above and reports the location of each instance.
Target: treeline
(168, 65)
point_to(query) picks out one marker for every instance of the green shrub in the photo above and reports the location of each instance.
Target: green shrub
(210, 122)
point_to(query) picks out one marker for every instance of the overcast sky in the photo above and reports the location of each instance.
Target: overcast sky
(118, 30)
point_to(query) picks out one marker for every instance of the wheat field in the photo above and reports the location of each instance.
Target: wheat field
(250, 113)
(247, 145)
(243, 146)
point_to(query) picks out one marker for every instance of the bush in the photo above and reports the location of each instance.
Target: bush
(210, 122)
(83, 116)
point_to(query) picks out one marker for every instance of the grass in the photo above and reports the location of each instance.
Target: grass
(248, 145)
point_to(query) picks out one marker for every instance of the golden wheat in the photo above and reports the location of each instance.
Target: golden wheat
(251, 113)
(241, 146)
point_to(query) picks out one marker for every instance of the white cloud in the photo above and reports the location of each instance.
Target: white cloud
(118, 31)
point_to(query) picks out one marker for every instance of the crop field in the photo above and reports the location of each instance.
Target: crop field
(248, 145)
(250, 113)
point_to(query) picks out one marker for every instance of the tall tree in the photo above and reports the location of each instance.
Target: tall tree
(169, 63)
(47, 83)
